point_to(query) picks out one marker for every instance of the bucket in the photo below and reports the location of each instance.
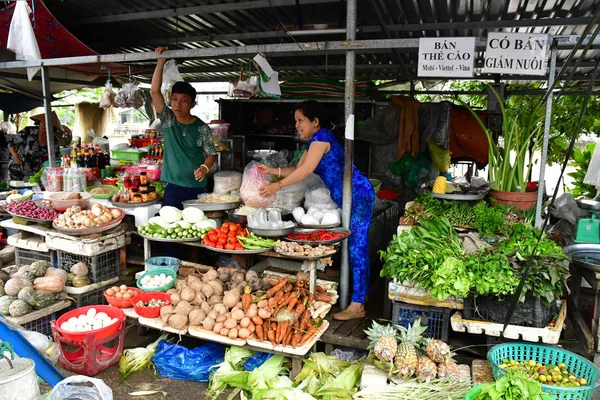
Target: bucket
(518, 200)
(163, 262)
(376, 183)
(20, 382)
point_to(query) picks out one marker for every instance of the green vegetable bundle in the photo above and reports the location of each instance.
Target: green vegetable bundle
(514, 386)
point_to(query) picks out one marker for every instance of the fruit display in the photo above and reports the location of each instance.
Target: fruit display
(548, 374)
(76, 218)
(403, 351)
(29, 209)
(174, 224)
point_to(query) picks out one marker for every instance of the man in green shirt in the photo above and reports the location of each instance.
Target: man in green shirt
(189, 152)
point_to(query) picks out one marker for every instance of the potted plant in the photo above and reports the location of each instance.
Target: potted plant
(511, 159)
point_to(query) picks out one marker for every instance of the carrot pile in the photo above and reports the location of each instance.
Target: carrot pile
(285, 318)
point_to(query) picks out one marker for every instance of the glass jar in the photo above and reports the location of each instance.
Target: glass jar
(143, 179)
(152, 193)
(145, 196)
(136, 181)
(137, 198)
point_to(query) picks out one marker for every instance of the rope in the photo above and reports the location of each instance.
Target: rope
(4, 347)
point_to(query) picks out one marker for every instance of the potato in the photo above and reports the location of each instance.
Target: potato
(243, 333)
(218, 327)
(205, 307)
(175, 298)
(208, 323)
(171, 291)
(199, 299)
(262, 304)
(167, 310)
(187, 294)
(191, 279)
(207, 290)
(264, 314)
(213, 314)
(221, 318)
(252, 312)
(178, 321)
(245, 322)
(183, 308)
(219, 308)
(251, 328)
(257, 320)
(196, 317)
(217, 287)
(238, 315)
(233, 333)
(209, 275)
(224, 332)
(215, 299)
(230, 323)
(196, 285)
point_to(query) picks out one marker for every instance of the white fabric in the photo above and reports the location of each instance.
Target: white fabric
(592, 177)
(21, 38)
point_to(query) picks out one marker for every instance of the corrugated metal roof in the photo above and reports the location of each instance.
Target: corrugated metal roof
(116, 26)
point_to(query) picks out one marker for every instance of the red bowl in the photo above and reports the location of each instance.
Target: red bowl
(149, 312)
(122, 303)
(388, 195)
(105, 332)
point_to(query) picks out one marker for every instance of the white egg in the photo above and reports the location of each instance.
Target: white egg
(101, 315)
(72, 321)
(65, 326)
(92, 312)
(162, 276)
(98, 325)
(114, 320)
(169, 279)
(311, 211)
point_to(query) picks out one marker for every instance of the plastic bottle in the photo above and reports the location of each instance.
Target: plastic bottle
(67, 180)
(82, 180)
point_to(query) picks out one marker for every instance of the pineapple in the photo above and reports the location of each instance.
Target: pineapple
(406, 359)
(439, 186)
(426, 369)
(448, 369)
(383, 341)
(438, 351)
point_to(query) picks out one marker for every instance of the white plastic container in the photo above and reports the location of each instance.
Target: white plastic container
(19, 383)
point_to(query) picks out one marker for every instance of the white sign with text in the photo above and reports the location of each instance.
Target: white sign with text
(516, 53)
(450, 57)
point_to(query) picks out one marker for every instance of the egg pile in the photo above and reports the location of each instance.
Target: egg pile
(154, 281)
(121, 292)
(90, 321)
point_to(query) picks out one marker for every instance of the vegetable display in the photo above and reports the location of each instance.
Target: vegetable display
(76, 218)
(173, 223)
(90, 321)
(318, 235)
(317, 216)
(29, 209)
(303, 250)
(226, 237)
(549, 374)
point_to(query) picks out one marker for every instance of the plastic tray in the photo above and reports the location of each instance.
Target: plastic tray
(113, 189)
(170, 240)
(324, 242)
(132, 205)
(241, 252)
(210, 206)
(40, 221)
(89, 231)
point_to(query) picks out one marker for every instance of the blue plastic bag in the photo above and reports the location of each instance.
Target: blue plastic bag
(256, 361)
(175, 361)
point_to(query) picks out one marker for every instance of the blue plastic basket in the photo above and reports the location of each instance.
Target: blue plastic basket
(545, 355)
(158, 271)
(163, 262)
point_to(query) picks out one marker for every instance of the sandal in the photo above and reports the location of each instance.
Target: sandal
(348, 315)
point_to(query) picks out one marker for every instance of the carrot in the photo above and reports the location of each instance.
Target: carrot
(288, 338)
(272, 303)
(246, 299)
(296, 339)
(300, 308)
(257, 320)
(320, 289)
(293, 301)
(288, 288)
(271, 283)
(271, 337)
(275, 289)
(305, 321)
(259, 333)
(283, 331)
(278, 296)
(304, 338)
(311, 297)
(323, 297)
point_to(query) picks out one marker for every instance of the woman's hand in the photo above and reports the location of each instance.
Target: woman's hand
(265, 169)
(200, 174)
(17, 159)
(269, 189)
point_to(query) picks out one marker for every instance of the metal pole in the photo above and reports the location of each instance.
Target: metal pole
(348, 149)
(544, 157)
(48, 112)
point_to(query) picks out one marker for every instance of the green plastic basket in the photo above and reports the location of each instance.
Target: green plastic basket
(545, 355)
(124, 155)
(158, 271)
(475, 391)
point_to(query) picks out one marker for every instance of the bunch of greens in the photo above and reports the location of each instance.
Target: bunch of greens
(490, 220)
(514, 386)
(37, 178)
(458, 213)
(3, 186)
(581, 162)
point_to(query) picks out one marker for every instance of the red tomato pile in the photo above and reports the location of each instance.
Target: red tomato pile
(225, 237)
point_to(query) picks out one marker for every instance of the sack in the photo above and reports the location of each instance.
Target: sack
(175, 361)
(170, 76)
(252, 182)
(129, 96)
(66, 389)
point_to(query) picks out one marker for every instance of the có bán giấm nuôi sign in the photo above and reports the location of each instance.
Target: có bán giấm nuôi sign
(516, 54)
(446, 57)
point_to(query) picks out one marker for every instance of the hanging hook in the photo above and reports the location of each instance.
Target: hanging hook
(129, 66)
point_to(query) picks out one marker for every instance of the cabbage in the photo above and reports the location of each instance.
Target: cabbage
(207, 224)
(170, 214)
(159, 221)
(192, 215)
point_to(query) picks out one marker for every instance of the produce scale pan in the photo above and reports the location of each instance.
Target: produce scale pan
(312, 242)
(585, 256)
(89, 231)
(210, 206)
(459, 197)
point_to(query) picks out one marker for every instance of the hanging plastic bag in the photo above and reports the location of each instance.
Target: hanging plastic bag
(69, 389)
(170, 77)
(175, 361)
(243, 87)
(130, 95)
(252, 182)
(107, 98)
(290, 197)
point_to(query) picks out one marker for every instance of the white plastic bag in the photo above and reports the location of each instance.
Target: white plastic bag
(130, 95)
(170, 76)
(290, 197)
(227, 182)
(68, 389)
(319, 198)
(252, 182)
(21, 38)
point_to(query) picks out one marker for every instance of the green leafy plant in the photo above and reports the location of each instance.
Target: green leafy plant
(581, 162)
(514, 386)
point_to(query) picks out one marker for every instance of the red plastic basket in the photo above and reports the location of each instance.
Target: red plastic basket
(122, 303)
(387, 195)
(105, 332)
(90, 355)
(147, 312)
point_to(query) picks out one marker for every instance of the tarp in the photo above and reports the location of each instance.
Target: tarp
(13, 103)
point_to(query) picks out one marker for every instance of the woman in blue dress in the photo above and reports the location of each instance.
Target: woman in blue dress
(325, 157)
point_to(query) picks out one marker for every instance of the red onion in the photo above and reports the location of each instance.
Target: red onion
(29, 209)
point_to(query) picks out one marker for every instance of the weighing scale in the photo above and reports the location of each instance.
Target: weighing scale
(588, 229)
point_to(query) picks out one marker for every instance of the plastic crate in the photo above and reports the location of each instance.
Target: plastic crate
(102, 267)
(532, 312)
(26, 257)
(436, 319)
(92, 298)
(124, 155)
(41, 325)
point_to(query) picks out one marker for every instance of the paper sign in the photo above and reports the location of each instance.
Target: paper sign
(451, 57)
(516, 53)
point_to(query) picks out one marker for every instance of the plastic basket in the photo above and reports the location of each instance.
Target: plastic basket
(123, 155)
(158, 271)
(531, 313)
(113, 189)
(163, 262)
(101, 333)
(102, 267)
(92, 298)
(436, 319)
(152, 174)
(545, 355)
(41, 325)
(26, 257)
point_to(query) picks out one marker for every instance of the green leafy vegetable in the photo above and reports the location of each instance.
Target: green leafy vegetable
(514, 386)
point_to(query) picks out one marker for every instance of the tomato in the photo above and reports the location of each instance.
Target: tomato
(219, 246)
(233, 240)
(222, 241)
(227, 224)
(211, 244)
(243, 233)
(234, 228)
(230, 246)
(225, 229)
(239, 247)
(232, 234)
(213, 236)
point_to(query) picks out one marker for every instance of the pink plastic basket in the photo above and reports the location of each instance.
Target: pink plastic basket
(153, 174)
